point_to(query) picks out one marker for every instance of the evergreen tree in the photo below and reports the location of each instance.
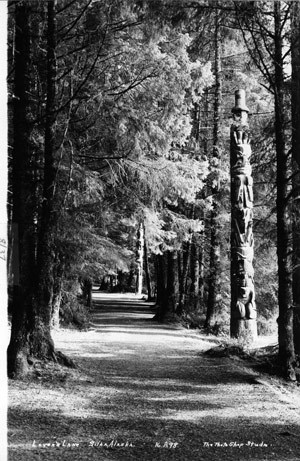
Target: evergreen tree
(295, 95)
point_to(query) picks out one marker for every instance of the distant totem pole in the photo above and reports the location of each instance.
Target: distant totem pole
(139, 259)
(243, 308)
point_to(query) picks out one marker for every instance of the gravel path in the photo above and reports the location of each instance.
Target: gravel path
(143, 391)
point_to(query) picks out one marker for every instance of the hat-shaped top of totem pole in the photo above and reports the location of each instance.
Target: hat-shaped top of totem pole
(240, 102)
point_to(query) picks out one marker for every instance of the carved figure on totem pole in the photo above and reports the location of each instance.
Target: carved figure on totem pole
(243, 190)
(243, 305)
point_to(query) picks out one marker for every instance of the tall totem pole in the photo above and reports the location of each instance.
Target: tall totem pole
(243, 308)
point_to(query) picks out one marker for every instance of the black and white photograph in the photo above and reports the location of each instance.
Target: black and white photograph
(150, 230)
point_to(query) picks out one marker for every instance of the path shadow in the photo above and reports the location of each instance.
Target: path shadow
(146, 435)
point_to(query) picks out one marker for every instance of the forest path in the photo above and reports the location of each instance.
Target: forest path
(151, 388)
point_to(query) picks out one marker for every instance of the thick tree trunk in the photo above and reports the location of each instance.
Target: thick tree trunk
(42, 345)
(285, 295)
(40, 340)
(295, 46)
(166, 286)
(23, 254)
(214, 269)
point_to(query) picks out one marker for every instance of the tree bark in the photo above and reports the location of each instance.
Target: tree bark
(295, 51)
(166, 286)
(86, 284)
(57, 292)
(42, 345)
(171, 292)
(186, 255)
(147, 269)
(39, 330)
(131, 277)
(214, 265)
(24, 263)
(284, 250)
(161, 285)
(196, 267)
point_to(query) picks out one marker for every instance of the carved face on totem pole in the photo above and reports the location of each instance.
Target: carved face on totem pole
(245, 307)
(241, 152)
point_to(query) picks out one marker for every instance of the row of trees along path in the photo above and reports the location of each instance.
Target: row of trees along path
(118, 119)
(153, 388)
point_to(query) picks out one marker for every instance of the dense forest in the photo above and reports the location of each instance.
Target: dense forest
(126, 129)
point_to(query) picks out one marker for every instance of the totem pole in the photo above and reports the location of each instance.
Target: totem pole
(139, 259)
(243, 308)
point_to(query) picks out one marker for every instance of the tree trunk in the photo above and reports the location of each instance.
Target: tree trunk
(131, 276)
(42, 345)
(214, 273)
(161, 285)
(147, 270)
(166, 286)
(86, 289)
(57, 292)
(111, 283)
(295, 47)
(171, 292)
(214, 269)
(205, 147)
(285, 295)
(196, 122)
(186, 254)
(196, 274)
(56, 303)
(180, 266)
(24, 264)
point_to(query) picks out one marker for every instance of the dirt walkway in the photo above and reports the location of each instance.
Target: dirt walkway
(147, 392)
